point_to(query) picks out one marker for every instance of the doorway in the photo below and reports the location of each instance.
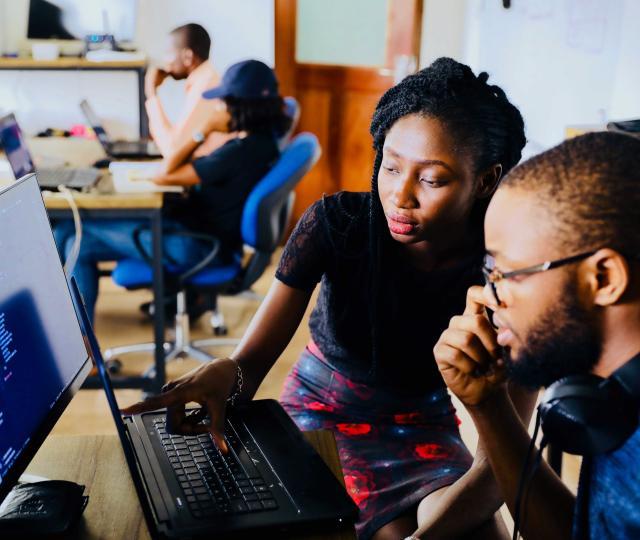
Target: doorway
(337, 58)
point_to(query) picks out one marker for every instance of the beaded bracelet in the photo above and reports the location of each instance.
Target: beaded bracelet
(237, 387)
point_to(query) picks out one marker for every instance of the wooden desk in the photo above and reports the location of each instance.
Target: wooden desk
(114, 511)
(74, 63)
(105, 201)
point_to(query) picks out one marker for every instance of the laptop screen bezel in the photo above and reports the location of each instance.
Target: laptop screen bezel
(45, 427)
(91, 342)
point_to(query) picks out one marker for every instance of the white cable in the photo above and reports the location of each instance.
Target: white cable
(70, 263)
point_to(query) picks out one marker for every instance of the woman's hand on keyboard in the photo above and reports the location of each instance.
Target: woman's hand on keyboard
(210, 385)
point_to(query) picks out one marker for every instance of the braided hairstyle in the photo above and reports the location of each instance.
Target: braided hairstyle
(484, 123)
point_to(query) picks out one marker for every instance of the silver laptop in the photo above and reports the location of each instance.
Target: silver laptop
(118, 149)
(21, 161)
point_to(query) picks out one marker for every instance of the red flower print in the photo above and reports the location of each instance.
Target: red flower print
(358, 486)
(318, 406)
(408, 418)
(354, 429)
(430, 451)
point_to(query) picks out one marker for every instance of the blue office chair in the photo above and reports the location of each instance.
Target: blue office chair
(265, 217)
(292, 110)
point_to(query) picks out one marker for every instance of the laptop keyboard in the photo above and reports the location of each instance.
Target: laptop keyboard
(79, 177)
(214, 483)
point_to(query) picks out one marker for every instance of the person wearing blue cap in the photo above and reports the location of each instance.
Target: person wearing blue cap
(217, 185)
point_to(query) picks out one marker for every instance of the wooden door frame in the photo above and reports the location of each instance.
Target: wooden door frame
(404, 21)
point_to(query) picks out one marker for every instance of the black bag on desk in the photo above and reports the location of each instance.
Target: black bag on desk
(42, 510)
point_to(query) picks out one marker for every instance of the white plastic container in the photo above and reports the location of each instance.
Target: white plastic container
(45, 51)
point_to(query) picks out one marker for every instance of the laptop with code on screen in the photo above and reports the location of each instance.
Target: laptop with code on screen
(43, 359)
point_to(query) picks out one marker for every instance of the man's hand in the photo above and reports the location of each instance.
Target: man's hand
(209, 385)
(153, 78)
(468, 355)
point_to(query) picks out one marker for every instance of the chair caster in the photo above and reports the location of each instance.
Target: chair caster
(114, 366)
(220, 331)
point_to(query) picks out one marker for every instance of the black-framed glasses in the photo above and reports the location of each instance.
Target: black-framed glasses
(492, 274)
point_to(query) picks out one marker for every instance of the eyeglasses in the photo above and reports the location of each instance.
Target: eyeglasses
(492, 274)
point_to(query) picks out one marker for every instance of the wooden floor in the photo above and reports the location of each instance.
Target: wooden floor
(119, 322)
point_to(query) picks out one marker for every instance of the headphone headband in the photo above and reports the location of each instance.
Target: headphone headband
(628, 377)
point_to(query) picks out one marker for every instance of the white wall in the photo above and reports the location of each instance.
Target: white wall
(563, 62)
(443, 27)
(240, 29)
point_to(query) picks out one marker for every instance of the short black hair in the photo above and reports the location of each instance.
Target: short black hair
(591, 185)
(265, 115)
(195, 38)
(480, 117)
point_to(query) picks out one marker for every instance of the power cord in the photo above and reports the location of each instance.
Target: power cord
(526, 476)
(72, 259)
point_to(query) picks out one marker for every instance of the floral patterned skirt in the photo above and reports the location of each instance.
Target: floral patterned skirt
(394, 449)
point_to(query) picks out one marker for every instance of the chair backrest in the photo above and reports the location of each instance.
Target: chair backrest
(292, 110)
(268, 207)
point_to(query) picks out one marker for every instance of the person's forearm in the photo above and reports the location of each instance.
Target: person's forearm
(185, 176)
(159, 125)
(475, 497)
(205, 118)
(179, 155)
(550, 504)
(264, 341)
(466, 504)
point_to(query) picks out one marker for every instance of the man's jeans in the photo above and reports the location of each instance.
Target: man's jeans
(112, 240)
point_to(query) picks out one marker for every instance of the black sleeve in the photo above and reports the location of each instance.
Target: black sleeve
(307, 252)
(214, 168)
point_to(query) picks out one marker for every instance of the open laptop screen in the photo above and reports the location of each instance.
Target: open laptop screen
(95, 123)
(15, 147)
(43, 358)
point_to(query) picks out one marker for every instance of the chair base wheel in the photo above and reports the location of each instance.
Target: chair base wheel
(114, 366)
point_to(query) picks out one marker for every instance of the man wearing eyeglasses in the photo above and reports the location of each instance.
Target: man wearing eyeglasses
(562, 298)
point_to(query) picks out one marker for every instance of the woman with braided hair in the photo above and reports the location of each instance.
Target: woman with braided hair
(394, 266)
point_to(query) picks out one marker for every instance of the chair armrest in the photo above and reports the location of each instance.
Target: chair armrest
(206, 260)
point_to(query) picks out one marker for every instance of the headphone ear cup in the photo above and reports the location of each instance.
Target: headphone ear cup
(581, 416)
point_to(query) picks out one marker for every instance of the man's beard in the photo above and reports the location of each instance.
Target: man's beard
(563, 342)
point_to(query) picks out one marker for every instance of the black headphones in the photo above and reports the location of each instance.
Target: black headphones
(588, 415)
(584, 415)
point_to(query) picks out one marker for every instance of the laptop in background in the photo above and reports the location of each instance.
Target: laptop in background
(15, 147)
(118, 149)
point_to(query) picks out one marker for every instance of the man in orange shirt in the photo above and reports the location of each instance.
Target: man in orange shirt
(187, 59)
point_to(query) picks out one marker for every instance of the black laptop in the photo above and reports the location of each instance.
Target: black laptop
(118, 149)
(21, 162)
(271, 479)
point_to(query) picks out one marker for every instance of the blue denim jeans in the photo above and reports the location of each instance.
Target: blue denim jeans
(112, 240)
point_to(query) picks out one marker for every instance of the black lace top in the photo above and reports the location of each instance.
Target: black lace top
(330, 244)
